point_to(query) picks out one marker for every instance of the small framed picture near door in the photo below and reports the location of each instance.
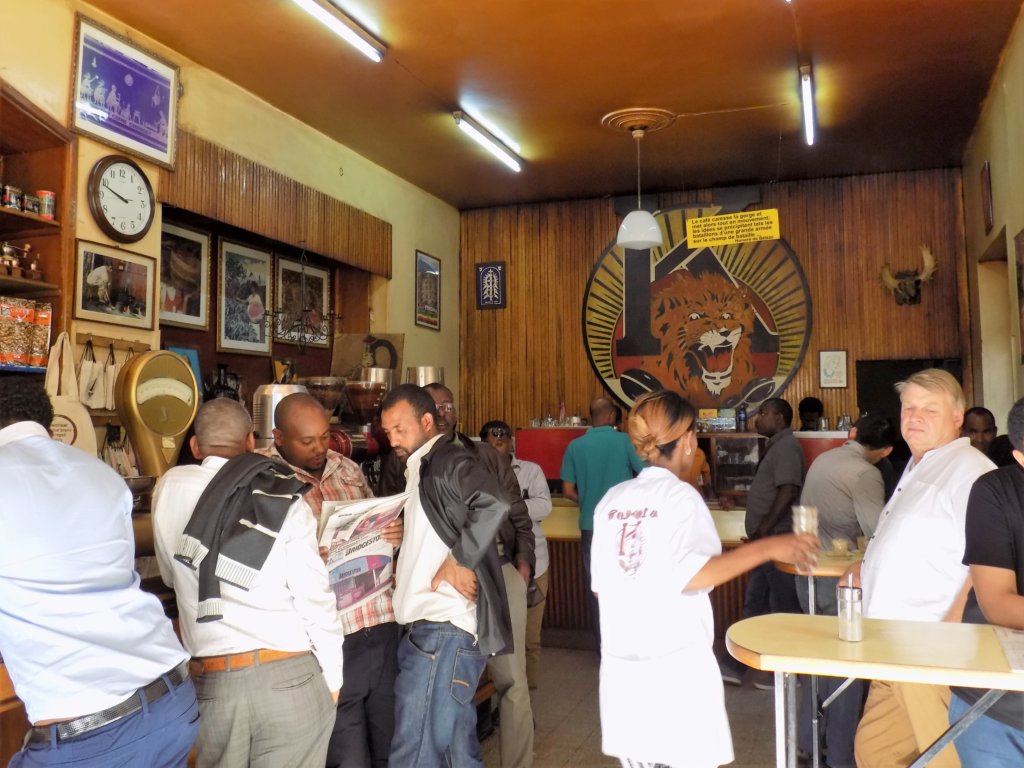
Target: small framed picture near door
(832, 369)
(428, 291)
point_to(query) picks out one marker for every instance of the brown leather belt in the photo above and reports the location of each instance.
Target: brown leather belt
(82, 725)
(232, 662)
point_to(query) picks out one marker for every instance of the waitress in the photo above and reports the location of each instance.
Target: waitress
(656, 555)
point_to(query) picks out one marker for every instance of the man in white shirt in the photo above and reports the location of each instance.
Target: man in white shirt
(449, 593)
(913, 567)
(267, 652)
(95, 660)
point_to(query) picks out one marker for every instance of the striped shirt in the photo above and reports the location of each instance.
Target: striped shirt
(342, 480)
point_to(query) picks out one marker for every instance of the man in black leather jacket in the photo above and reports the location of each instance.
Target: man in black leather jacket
(450, 591)
(517, 546)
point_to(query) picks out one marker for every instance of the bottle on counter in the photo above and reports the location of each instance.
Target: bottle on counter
(741, 418)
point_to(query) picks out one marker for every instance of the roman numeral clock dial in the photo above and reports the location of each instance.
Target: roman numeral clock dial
(121, 198)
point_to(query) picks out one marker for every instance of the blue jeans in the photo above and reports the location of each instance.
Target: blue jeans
(988, 743)
(439, 667)
(159, 735)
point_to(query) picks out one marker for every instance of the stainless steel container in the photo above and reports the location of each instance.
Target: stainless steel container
(422, 375)
(264, 401)
(385, 376)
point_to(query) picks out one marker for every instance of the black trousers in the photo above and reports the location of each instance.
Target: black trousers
(366, 707)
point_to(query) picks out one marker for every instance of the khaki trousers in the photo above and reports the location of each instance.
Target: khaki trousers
(534, 621)
(900, 721)
(508, 672)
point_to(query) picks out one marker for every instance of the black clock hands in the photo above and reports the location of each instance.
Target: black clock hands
(122, 199)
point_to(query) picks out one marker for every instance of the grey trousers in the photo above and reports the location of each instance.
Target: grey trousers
(276, 715)
(509, 673)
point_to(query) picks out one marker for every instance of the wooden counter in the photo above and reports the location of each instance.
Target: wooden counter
(13, 721)
(566, 619)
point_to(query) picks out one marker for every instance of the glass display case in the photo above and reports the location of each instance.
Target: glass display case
(733, 458)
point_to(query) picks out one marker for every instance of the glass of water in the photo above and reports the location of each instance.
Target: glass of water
(805, 520)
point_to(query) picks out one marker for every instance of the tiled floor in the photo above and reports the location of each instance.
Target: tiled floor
(568, 733)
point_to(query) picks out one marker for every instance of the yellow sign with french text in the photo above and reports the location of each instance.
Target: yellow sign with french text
(732, 228)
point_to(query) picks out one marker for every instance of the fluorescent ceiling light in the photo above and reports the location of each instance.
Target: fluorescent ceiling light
(807, 98)
(344, 27)
(487, 140)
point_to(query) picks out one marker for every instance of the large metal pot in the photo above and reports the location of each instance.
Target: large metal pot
(421, 375)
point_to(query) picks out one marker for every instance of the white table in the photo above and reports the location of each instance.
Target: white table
(936, 653)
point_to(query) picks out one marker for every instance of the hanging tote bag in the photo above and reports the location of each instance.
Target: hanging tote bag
(110, 370)
(71, 421)
(90, 379)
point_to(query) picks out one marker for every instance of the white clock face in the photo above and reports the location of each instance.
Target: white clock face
(124, 199)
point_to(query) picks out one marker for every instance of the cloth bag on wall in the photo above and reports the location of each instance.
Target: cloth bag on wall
(71, 421)
(91, 390)
(110, 370)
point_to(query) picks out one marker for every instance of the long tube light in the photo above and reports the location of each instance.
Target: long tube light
(487, 140)
(807, 98)
(344, 27)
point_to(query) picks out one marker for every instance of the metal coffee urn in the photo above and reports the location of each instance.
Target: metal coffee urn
(264, 401)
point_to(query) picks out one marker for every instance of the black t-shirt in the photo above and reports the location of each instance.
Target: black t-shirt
(995, 537)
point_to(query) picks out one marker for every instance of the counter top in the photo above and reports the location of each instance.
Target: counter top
(563, 522)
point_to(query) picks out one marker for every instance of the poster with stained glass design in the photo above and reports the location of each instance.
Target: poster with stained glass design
(490, 285)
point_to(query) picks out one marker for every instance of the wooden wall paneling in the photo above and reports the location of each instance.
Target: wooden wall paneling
(214, 182)
(520, 361)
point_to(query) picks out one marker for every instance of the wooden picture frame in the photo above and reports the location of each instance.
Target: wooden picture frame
(301, 318)
(184, 299)
(490, 285)
(114, 286)
(832, 369)
(428, 291)
(243, 295)
(123, 95)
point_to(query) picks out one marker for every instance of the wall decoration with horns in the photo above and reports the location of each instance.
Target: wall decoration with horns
(906, 286)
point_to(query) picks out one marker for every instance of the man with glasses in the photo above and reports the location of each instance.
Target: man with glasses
(516, 547)
(537, 496)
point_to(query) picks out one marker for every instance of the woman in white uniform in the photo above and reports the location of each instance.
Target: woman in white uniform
(656, 555)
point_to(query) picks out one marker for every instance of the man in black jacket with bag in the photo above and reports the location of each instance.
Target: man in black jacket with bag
(449, 591)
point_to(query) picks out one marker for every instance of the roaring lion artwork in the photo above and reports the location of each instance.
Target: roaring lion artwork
(704, 323)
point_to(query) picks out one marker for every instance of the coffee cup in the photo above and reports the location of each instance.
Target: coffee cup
(841, 546)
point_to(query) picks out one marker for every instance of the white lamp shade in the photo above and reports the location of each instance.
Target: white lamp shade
(639, 230)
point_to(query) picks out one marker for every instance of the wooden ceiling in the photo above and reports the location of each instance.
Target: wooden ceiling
(899, 84)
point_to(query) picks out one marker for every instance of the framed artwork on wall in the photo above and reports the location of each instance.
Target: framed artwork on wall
(302, 301)
(832, 369)
(123, 95)
(243, 295)
(490, 285)
(114, 286)
(428, 291)
(184, 277)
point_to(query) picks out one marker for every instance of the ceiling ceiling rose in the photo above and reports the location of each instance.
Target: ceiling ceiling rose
(644, 119)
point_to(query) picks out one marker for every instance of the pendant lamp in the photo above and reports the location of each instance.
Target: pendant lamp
(639, 230)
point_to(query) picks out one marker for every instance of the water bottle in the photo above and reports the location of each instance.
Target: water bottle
(851, 613)
(741, 419)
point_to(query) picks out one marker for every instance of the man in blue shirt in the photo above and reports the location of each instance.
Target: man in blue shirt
(93, 657)
(593, 463)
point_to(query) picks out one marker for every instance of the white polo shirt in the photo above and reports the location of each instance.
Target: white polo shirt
(913, 567)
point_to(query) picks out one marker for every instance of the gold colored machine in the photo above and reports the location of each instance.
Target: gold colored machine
(156, 398)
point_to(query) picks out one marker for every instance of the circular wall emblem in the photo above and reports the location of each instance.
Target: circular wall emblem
(723, 325)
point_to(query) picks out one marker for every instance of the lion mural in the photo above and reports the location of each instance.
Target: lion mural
(705, 324)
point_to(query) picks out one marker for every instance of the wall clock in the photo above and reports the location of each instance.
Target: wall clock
(121, 198)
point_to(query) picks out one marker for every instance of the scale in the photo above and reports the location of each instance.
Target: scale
(156, 399)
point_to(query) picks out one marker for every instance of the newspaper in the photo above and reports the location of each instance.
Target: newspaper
(360, 563)
(1012, 641)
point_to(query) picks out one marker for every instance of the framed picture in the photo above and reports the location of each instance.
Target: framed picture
(428, 291)
(301, 304)
(490, 285)
(114, 286)
(184, 277)
(832, 369)
(986, 197)
(243, 295)
(123, 95)
(191, 354)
